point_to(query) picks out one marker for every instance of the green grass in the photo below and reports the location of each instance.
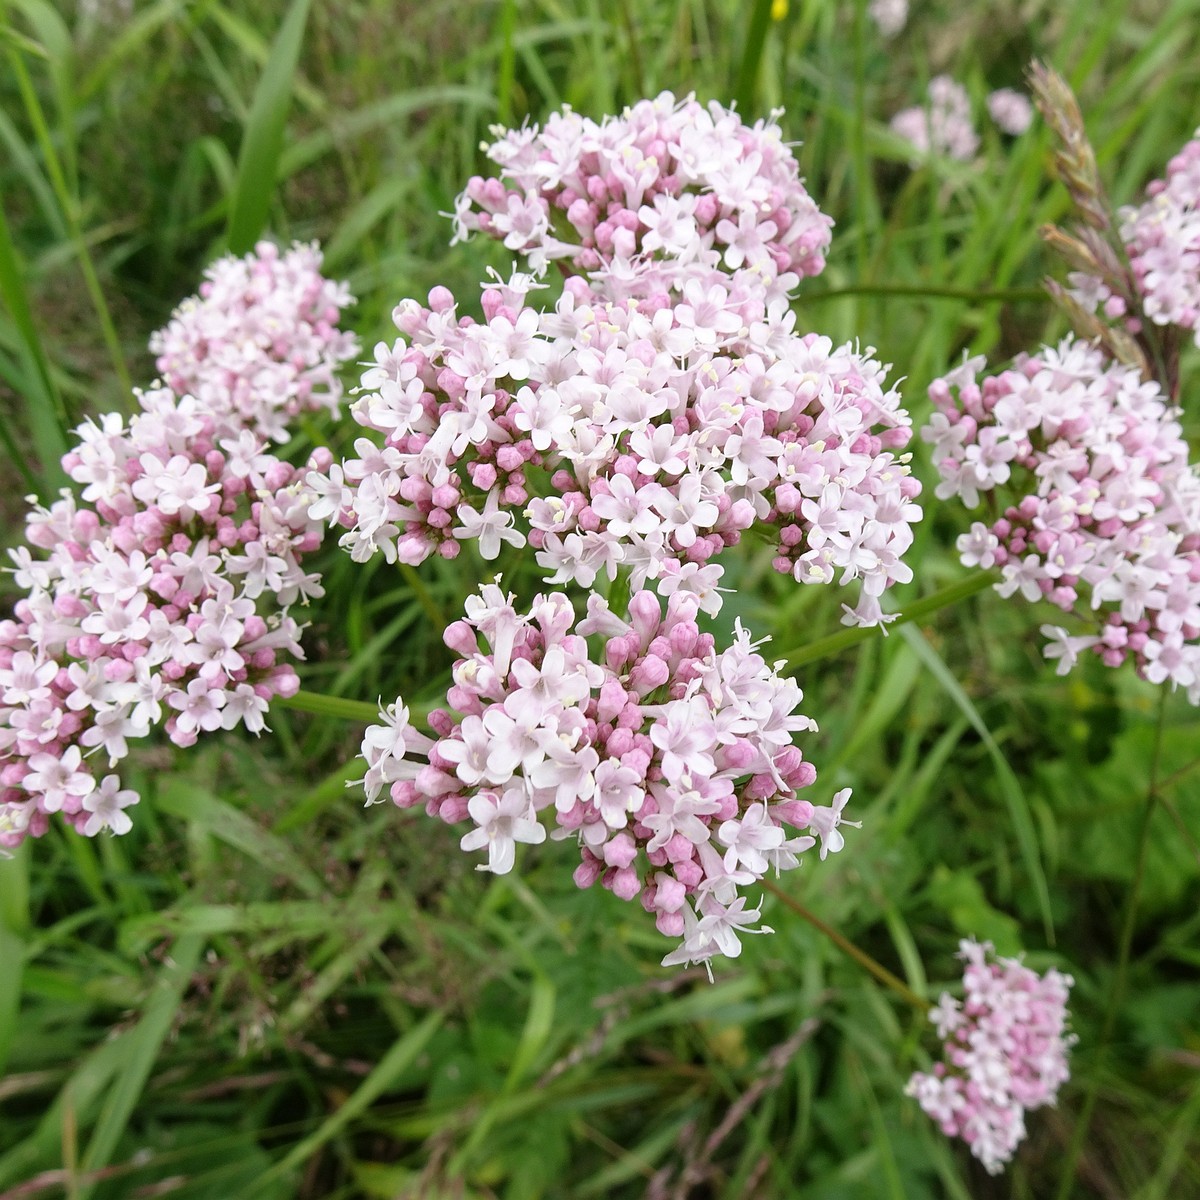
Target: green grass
(266, 991)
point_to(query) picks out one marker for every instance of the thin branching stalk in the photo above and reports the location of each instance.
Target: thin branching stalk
(844, 639)
(847, 947)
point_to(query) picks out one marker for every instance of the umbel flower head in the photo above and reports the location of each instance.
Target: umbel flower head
(668, 191)
(260, 344)
(647, 436)
(1004, 1053)
(943, 125)
(158, 590)
(668, 762)
(160, 595)
(1161, 238)
(1092, 503)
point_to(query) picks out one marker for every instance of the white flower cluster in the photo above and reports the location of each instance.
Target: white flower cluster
(663, 406)
(668, 191)
(670, 763)
(260, 343)
(1161, 239)
(158, 590)
(1005, 1053)
(944, 126)
(1103, 518)
(639, 436)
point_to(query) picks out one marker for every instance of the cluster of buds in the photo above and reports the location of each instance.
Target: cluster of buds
(260, 344)
(670, 190)
(158, 591)
(1161, 238)
(671, 763)
(640, 436)
(1103, 518)
(1005, 1053)
(662, 407)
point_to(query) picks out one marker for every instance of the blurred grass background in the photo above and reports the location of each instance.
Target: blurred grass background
(265, 991)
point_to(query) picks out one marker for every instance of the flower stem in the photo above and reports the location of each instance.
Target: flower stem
(834, 643)
(1117, 991)
(864, 960)
(331, 706)
(929, 292)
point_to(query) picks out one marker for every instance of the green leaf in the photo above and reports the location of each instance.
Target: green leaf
(262, 143)
(960, 896)
(188, 800)
(12, 969)
(44, 412)
(141, 1046)
(1010, 787)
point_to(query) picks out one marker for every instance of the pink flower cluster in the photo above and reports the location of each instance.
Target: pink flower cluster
(669, 762)
(158, 591)
(1010, 110)
(1005, 1053)
(261, 343)
(1105, 514)
(942, 125)
(645, 436)
(889, 16)
(1162, 239)
(668, 191)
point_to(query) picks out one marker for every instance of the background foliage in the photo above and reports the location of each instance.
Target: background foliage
(266, 991)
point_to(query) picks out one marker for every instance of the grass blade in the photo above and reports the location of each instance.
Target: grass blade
(43, 406)
(14, 923)
(1010, 787)
(182, 798)
(393, 1064)
(141, 1047)
(262, 145)
(746, 90)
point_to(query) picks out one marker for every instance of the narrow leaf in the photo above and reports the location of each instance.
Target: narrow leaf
(262, 144)
(1010, 787)
(43, 407)
(141, 1047)
(393, 1064)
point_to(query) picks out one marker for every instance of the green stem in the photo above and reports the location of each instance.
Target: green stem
(847, 947)
(1117, 991)
(746, 90)
(618, 595)
(345, 709)
(834, 643)
(1175, 776)
(858, 137)
(635, 54)
(919, 291)
(506, 67)
(331, 706)
(424, 596)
